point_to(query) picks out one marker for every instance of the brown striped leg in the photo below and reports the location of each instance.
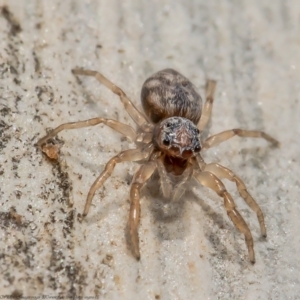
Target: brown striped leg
(135, 114)
(206, 114)
(141, 176)
(211, 181)
(127, 155)
(226, 135)
(120, 127)
(223, 172)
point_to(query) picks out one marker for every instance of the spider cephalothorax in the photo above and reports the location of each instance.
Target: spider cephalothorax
(177, 136)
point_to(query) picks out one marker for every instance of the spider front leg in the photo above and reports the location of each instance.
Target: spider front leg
(140, 178)
(127, 155)
(226, 135)
(210, 90)
(223, 172)
(211, 181)
(134, 113)
(120, 127)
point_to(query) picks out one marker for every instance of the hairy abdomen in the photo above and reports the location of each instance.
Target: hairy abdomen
(167, 93)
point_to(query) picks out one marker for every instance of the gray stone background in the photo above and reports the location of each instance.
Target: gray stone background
(252, 48)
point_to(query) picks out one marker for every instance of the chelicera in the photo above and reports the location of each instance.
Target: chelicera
(168, 140)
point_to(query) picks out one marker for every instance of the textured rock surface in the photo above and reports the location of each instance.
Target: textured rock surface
(251, 48)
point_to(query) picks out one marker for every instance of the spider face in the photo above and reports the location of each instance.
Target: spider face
(177, 137)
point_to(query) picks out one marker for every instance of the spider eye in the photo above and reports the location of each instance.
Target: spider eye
(197, 148)
(166, 141)
(198, 131)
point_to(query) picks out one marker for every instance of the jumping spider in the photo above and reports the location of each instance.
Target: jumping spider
(168, 140)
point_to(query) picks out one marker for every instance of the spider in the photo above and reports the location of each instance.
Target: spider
(168, 140)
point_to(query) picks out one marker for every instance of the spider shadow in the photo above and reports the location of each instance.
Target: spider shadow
(169, 222)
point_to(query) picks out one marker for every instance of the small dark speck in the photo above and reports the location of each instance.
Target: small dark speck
(108, 260)
(13, 70)
(37, 118)
(38, 25)
(79, 217)
(16, 159)
(40, 279)
(3, 124)
(18, 194)
(16, 294)
(15, 27)
(5, 111)
(37, 65)
(17, 81)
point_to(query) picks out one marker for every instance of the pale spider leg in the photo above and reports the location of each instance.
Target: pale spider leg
(134, 113)
(144, 137)
(120, 127)
(206, 114)
(166, 185)
(127, 155)
(223, 172)
(211, 181)
(226, 135)
(199, 161)
(140, 178)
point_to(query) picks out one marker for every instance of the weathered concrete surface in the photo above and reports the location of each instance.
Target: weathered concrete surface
(251, 48)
